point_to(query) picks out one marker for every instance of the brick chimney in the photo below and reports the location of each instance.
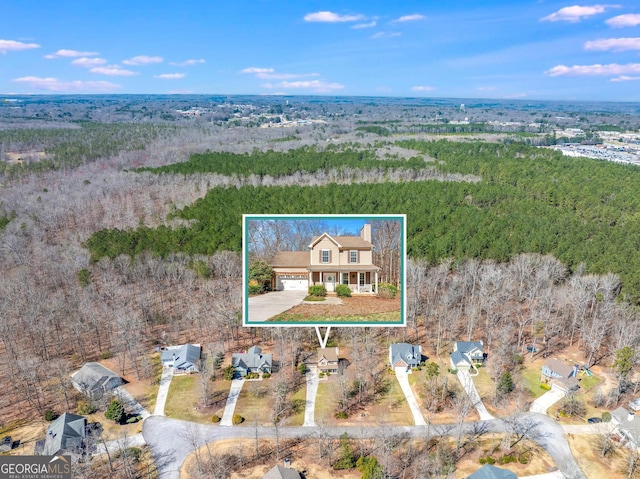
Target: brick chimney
(365, 232)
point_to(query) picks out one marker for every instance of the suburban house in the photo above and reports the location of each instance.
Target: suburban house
(330, 261)
(65, 436)
(183, 359)
(253, 361)
(282, 472)
(466, 354)
(560, 375)
(627, 426)
(404, 355)
(328, 360)
(94, 380)
(492, 472)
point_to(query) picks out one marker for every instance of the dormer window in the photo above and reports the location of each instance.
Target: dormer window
(325, 256)
(353, 256)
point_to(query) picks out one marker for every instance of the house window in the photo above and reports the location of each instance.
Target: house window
(345, 278)
(325, 255)
(353, 256)
(361, 279)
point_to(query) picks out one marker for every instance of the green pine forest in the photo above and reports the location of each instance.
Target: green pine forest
(529, 200)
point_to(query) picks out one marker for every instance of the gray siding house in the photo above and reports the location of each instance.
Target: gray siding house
(253, 361)
(65, 436)
(94, 380)
(183, 359)
(404, 355)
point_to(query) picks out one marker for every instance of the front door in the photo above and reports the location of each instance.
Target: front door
(330, 281)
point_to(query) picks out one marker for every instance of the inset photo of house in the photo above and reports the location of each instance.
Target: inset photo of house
(324, 270)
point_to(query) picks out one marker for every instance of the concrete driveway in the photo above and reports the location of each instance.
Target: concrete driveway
(265, 306)
(163, 391)
(232, 399)
(472, 392)
(131, 406)
(547, 400)
(312, 389)
(403, 378)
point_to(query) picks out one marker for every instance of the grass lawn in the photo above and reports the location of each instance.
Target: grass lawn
(391, 316)
(325, 405)
(112, 430)
(254, 403)
(183, 400)
(393, 405)
(299, 399)
(530, 380)
(145, 392)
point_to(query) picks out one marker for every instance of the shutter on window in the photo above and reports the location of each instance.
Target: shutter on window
(320, 259)
(357, 256)
(329, 256)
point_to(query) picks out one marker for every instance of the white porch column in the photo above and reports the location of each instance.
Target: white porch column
(376, 274)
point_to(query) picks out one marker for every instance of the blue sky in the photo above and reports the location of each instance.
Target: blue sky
(490, 49)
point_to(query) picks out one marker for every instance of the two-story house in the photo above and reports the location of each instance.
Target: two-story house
(330, 261)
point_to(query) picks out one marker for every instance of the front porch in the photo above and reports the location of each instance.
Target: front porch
(359, 282)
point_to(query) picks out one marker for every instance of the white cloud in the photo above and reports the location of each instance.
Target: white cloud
(597, 69)
(386, 34)
(614, 44)
(69, 54)
(187, 63)
(52, 84)
(371, 24)
(486, 88)
(622, 78)
(576, 13)
(113, 70)
(423, 88)
(313, 85)
(171, 76)
(14, 46)
(626, 20)
(257, 70)
(88, 62)
(142, 60)
(409, 18)
(330, 17)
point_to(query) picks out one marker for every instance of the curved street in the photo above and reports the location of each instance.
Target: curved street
(172, 440)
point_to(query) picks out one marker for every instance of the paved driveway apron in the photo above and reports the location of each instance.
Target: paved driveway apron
(234, 393)
(265, 306)
(403, 379)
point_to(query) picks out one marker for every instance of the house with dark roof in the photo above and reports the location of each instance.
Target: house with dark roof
(65, 435)
(94, 380)
(330, 261)
(253, 361)
(404, 355)
(492, 472)
(183, 359)
(466, 354)
(627, 426)
(560, 375)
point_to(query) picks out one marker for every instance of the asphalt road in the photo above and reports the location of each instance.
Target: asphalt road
(172, 440)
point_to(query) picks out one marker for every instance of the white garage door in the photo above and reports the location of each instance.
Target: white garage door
(292, 283)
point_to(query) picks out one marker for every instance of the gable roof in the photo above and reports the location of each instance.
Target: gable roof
(409, 353)
(330, 354)
(457, 357)
(468, 346)
(93, 376)
(65, 433)
(185, 356)
(563, 369)
(632, 427)
(280, 472)
(252, 359)
(343, 241)
(293, 259)
(492, 472)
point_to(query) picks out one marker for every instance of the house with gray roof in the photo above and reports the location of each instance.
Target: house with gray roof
(405, 355)
(627, 426)
(183, 359)
(282, 472)
(466, 354)
(65, 435)
(253, 361)
(327, 360)
(560, 375)
(492, 472)
(94, 380)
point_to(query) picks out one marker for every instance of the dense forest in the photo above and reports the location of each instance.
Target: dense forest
(276, 163)
(529, 200)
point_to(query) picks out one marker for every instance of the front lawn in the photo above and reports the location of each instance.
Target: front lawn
(530, 380)
(183, 400)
